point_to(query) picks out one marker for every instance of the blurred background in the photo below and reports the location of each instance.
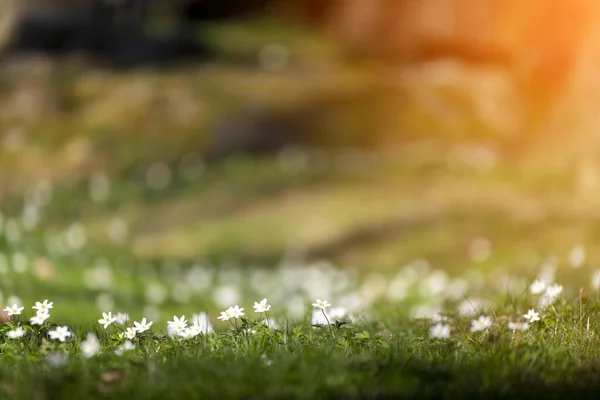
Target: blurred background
(388, 155)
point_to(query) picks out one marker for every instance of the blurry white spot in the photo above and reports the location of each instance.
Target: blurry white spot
(99, 188)
(469, 307)
(374, 286)
(202, 321)
(274, 57)
(199, 279)
(548, 269)
(42, 193)
(151, 312)
(57, 359)
(318, 318)
(577, 256)
(336, 313)
(480, 249)
(14, 300)
(181, 292)
(3, 265)
(104, 301)
(76, 236)
(99, 276)
(595, 280)
(434, 284)
(398, 288)
(225, 296)
(352, 301)
(295, 306)
(457, 288)
(428, 311)
(19, 262)
(117, 230)
(30, 217)
(537, 286)
(156, 293)
(12, 231)
(191, 167)
(158, 176)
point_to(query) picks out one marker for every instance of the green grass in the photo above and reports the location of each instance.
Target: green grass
(387, 233)
(556, 357)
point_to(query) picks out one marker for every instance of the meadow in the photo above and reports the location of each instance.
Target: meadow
(432, 268)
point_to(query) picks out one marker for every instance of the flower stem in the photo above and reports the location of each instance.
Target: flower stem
(267, 318)
(327, 319)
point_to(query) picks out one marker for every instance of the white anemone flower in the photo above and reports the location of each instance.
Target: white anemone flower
(126, 346)
(262, 307)
(202, 322)
(90, 347)
(236, 311)
(532, 316)
(518, 326)
(122, 318)
(537, 287)
(45, 306)
(142, 326)
(14, 310)
(39, 318)
(440, 331)
(130, 333)
(60, 333)
(178, 324)
(322, 304)
(481, 324)
(107, 319)
(16, 333)
(226, 315)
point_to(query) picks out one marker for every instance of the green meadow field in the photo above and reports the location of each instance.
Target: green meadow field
(449, 270)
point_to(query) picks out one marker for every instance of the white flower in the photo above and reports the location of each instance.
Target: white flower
(202, 323)
(440, 331)
(142, 326)
(178, 324)
(60, 333)
(126, 346)
(554, 290)
(236, 311)
(45, 306)
(122, 318)
(518, 326)
(532, 316)
(337, 313)
(90, 346)
(437, 317)
(318, 318)
(271, 323)
(226, 315)
(57, 359)
(39, 318)
(537, 287)
(322, 304)
(13, 310)
(130, 333)
(261, 307)
(187, 333)
(16, 333)
(481, 324)
(196, 329)
(107, 319)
